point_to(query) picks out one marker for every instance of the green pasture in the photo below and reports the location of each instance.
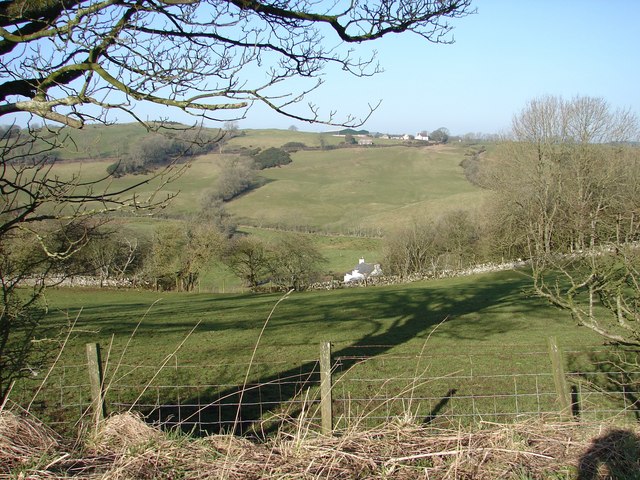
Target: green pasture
(348, 190)
(412, 331)
(96, 142)
(360, 188)
(267, 138)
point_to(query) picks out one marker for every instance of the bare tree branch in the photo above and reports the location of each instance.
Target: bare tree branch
(178, 53)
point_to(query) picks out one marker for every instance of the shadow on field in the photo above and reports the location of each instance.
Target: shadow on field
(408, 313)
(435, 411)
(612, 369)
(613, 455)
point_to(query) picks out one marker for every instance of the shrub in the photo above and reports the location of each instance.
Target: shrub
(272, 157)
(291, 147)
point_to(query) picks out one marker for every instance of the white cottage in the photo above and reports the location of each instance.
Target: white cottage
(362, 271)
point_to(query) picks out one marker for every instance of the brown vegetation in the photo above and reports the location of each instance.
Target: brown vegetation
(125, 447)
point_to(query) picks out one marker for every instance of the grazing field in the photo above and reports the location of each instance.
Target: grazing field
(458, 347)
(337, 190)
(360, 188)
(426, 329)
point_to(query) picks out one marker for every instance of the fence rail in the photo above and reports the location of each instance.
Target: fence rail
(365, 388)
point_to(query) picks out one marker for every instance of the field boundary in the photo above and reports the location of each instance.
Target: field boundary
(366, 388)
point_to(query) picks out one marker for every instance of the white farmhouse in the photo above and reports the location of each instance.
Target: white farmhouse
(422, 137)
(362, 271)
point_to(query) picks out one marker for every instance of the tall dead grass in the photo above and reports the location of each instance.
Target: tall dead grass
(125, 447)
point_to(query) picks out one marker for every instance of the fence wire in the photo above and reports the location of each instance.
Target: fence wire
(499, 384)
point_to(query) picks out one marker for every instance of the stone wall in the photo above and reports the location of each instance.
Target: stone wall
(384, 280)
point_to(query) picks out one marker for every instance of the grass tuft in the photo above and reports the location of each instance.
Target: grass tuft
(127, 448)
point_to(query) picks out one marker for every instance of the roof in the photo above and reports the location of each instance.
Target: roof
(364, 268)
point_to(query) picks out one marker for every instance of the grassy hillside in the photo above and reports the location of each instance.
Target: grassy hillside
(369, 188)
(96, 142)
(334, 190)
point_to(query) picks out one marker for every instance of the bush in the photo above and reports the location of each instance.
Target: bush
(291, 147)
(114, 170)
(271, 157)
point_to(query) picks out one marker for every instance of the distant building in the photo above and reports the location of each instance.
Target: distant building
(422, 137)
(362, 271)
(365, 141)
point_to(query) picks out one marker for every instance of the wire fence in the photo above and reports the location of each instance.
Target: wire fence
(497, 384)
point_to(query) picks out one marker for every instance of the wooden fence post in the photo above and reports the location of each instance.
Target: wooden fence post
(326, 410)
(94, 365)
(562, 388)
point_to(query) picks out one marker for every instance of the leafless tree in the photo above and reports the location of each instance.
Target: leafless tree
(428, 246)
(568, 187)
(74, 61)
(248, 259)
(294, 261)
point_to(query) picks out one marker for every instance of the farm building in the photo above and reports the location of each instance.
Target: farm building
(362, 271)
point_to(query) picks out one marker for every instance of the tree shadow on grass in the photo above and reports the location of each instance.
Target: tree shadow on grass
(435, 411)
(613, 371)
(614, 455)
(407, 312)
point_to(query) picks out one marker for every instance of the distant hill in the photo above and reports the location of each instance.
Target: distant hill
(99, 142)
(110, 142)
(329, 189)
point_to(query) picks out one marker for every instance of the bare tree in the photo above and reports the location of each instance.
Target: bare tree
(568, 186)
(294, 262)
(440, 135)
(61, 60)
(237, 175)
(248, 258)
(409, 249)
(427, 246)
(44, 221)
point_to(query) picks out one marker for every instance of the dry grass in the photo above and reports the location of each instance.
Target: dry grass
(24, 443)
(124, 447)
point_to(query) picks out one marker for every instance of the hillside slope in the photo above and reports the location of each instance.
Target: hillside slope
(360, 188)
(340, 190)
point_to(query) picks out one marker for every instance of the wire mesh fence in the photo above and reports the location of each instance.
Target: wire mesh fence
(496, 384)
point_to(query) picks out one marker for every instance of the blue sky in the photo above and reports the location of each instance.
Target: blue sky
(508, 53)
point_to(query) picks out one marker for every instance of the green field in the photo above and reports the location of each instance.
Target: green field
(482, 337)
(485, 323)
(360, 188)
(341, 190)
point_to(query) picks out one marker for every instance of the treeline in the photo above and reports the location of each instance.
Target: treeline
(239, 174)
(567, 182)
(159, 149)
(175, 255)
